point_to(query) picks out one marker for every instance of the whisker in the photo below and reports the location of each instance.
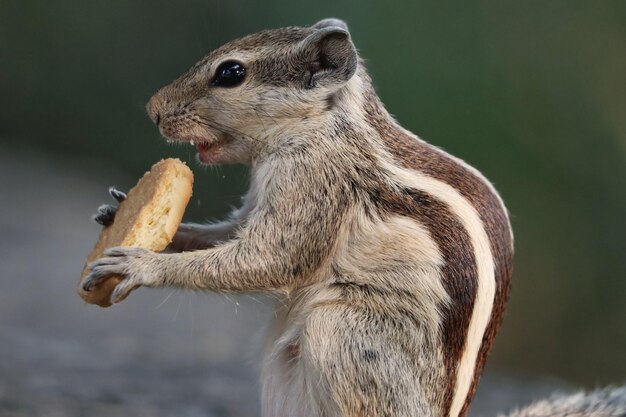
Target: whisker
(226, 128)
(165, 299)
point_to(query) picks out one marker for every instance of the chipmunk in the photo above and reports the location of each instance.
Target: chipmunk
(394, 258)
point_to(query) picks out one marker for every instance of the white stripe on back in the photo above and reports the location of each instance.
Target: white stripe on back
(486, 285)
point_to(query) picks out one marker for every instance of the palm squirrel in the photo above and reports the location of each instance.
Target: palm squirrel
(394, 257)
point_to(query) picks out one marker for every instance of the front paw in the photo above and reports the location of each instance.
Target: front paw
(136, 266)
(105, 215)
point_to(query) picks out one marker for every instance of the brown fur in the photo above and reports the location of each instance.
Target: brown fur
(421, 156)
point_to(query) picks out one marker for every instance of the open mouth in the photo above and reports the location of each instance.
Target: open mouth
(207, 148)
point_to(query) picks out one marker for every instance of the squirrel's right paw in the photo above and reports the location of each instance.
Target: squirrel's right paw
(106, 212)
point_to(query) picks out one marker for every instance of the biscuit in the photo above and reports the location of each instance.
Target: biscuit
(148, 218)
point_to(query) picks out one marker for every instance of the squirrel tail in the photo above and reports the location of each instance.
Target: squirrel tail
(607, 402)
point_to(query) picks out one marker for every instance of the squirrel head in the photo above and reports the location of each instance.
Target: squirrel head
(235, 99)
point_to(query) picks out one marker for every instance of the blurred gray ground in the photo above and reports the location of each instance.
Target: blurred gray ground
(159, 353)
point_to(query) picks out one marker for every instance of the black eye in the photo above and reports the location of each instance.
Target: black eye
(229, 74)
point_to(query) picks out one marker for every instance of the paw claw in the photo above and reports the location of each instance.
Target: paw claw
(117, 194)
(89, 283)
(86, 286)
(105, 215)
(121, 291)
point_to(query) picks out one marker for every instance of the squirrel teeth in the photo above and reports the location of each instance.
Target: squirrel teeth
(192, 143)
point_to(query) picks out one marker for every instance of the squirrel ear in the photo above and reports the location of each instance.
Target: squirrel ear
(331, 22)
(329, 56)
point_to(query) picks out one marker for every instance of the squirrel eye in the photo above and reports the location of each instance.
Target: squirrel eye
(229, 74)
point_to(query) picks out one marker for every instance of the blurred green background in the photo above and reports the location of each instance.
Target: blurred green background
(532, 93)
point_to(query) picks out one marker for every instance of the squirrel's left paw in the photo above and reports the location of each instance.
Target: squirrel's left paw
(106, 212)
(136, 266)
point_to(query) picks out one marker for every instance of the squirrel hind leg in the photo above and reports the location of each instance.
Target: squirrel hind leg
(339, 366)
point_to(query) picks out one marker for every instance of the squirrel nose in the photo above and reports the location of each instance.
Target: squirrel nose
(153, 109)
